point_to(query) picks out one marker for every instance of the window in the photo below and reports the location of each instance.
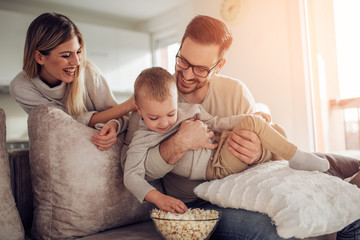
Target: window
(165, 44)
(335, 63)
(165, 57)
(347, 19)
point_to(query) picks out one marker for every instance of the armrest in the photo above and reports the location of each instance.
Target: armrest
(21, 184)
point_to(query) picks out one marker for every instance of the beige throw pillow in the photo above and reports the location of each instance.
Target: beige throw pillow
(10, 223)
(78, 189)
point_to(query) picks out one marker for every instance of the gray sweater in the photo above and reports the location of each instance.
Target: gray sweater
(32, 92)
(192, 165)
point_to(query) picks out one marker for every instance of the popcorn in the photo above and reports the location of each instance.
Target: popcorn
(193, 224)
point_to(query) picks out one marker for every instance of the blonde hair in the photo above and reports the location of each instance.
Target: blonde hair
(156, 83)
(45, 33)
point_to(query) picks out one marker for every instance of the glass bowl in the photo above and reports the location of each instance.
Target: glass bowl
(194, 224)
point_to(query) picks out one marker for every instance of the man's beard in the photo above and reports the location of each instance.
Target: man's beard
(195, 84)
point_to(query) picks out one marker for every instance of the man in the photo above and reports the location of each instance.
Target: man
(200, 58)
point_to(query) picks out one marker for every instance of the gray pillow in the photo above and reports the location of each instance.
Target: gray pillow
(78, 189)
(10, 223)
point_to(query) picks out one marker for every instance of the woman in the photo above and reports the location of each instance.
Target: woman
(55, 71)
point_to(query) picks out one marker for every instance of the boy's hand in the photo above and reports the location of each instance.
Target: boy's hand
(165, 202)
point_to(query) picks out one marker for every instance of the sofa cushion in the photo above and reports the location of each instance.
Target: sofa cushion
(78, 189)
(10, 223)
(139, 231)
(300, 203)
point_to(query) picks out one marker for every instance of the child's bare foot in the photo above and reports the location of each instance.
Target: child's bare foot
(356, 180)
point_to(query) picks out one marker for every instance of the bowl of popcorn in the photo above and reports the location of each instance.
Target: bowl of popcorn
(193, 224)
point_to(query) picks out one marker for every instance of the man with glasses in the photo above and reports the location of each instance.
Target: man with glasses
(198, 62)
(199, 71)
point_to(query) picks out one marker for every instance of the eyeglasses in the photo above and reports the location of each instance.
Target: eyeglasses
(197, 70)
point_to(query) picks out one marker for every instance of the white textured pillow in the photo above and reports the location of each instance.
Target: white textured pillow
(300, 203)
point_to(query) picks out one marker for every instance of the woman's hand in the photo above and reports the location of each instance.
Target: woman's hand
(106, 136)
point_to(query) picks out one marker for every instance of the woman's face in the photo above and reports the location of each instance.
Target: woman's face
(61, 64)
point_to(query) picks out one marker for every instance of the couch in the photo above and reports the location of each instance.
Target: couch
(21, 186)
(64, 188)
(123, 217)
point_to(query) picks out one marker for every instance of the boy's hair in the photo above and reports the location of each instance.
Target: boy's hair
(156, 83)
(208, 30)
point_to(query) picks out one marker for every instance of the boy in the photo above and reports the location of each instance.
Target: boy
(156, 101)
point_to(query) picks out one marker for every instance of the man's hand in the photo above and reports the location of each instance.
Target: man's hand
(192, 135)
(265, 116)
(165, 202)
(245, 145)
(106, 136)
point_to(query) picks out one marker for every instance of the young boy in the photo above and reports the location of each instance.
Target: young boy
(155, 94)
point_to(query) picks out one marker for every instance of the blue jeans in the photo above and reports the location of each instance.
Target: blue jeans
(239, 223)
(351, 232)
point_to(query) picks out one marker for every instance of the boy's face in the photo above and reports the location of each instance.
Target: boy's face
(159, 116)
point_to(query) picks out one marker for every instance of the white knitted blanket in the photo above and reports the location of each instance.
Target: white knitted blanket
(300, 203)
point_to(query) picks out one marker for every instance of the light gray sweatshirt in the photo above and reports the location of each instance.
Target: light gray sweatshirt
(30, 93)
(192, 165)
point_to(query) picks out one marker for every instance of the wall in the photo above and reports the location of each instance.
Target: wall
(12, 38)
(267, 55)
(120, 54)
